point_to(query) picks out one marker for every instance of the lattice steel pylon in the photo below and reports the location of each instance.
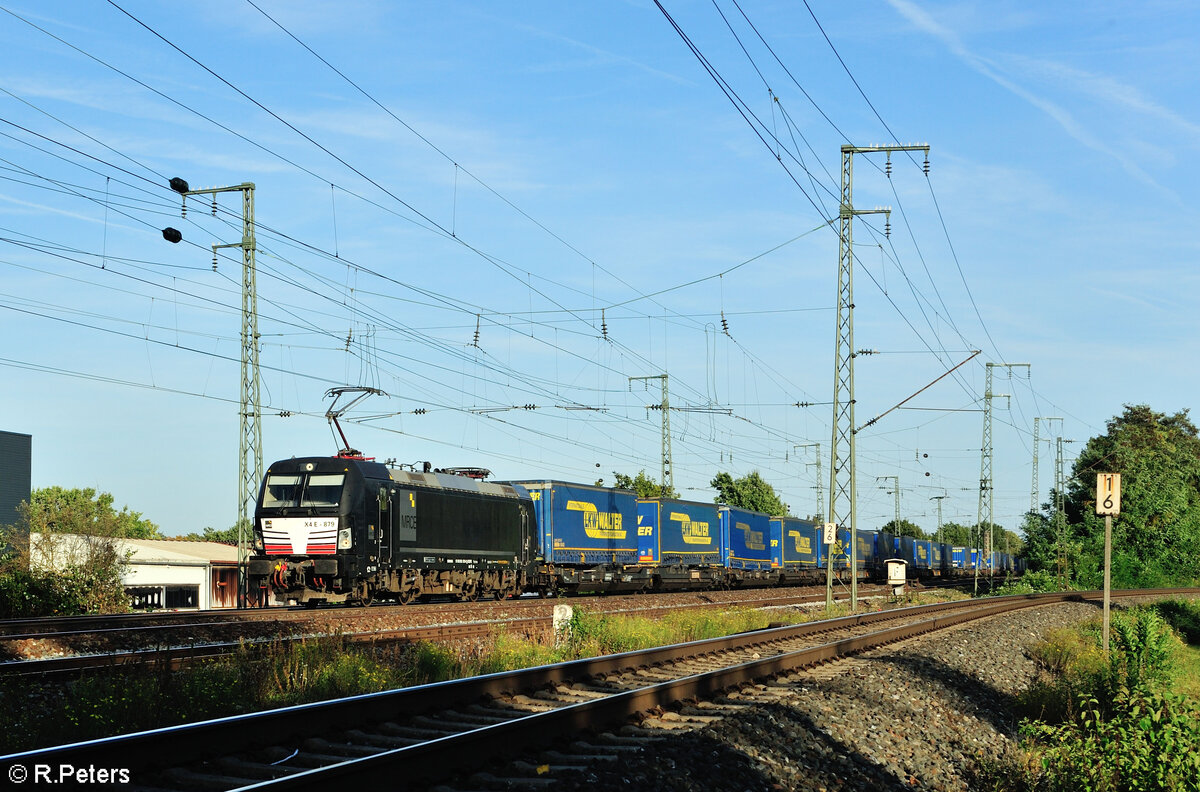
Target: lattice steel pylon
(250, 461)
(667, 480)
(843, 494)
(986, 485)
(820, 489)
(1034, 490)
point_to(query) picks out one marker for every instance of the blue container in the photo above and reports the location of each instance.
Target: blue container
(885, 546)
(907, 550)
(747, 537)
(839, 554)
(866, 549)
(960, 558)
(924, 553)
(936, 556)
(585, 525)
(799, 542)
(679, 532)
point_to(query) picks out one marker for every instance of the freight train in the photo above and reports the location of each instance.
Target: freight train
(349, 529)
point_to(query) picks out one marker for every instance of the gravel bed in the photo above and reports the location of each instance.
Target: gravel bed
(916, 715)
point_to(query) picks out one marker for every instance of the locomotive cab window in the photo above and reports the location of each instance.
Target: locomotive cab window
(323, 490)
(298, 489)
(281, 491)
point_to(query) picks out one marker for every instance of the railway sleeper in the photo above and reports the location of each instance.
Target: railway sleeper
(245, 768)
(182, 778)
(490, 781)
(303, 760)
(582, 758)
(548, 768)
(418, 733)
(492, 712)
(619, 746)
(563, 696)
(341, 749)
(457, 720)
(382, 740)
(526, 704)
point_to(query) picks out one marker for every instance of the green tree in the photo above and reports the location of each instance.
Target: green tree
(644, 486)
(751, 492)
(903, 528)
(65, 556)
(957, 534)
(83, 512)
(1157, 535)
(224, 535)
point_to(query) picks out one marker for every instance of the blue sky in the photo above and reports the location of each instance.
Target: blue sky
(548, 171)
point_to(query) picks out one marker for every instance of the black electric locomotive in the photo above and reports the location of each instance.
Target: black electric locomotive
(348, 529)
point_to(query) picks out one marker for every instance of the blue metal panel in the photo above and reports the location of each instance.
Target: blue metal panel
(937, 558)
(840, 554)
(924, 553)
(799, 542)
(947, 557)
(885, 546)
(959, 558)
(747, 536)
(586, 525)
(686, 532)
(647, 531)
(866, 549)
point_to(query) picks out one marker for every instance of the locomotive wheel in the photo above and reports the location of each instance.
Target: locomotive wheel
(363, 594)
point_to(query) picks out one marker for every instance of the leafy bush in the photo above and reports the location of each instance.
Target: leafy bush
(1141, 740)
(26, 593)
(1108, 724)
(1184, 616)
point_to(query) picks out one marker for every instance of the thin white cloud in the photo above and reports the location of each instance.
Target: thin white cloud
(919, 18)
(603, 57)
(1108, 90)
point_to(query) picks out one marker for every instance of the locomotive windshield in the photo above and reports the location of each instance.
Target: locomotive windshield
(300, 489)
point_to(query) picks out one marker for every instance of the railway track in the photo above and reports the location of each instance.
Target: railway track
(175, 645)
(419, 736)
(65, 627)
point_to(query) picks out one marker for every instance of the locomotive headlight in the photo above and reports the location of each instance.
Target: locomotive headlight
(344, 539)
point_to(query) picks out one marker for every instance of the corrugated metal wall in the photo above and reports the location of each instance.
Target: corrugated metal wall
(16, 463)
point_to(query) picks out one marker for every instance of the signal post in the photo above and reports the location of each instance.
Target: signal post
(1108, 503)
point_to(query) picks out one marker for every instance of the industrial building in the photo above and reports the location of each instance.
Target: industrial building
(160, 574)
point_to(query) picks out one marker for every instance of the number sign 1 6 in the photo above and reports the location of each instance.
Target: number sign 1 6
(1108, 493)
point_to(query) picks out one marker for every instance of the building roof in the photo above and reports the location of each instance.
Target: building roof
(180, 549)
(149, 551)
